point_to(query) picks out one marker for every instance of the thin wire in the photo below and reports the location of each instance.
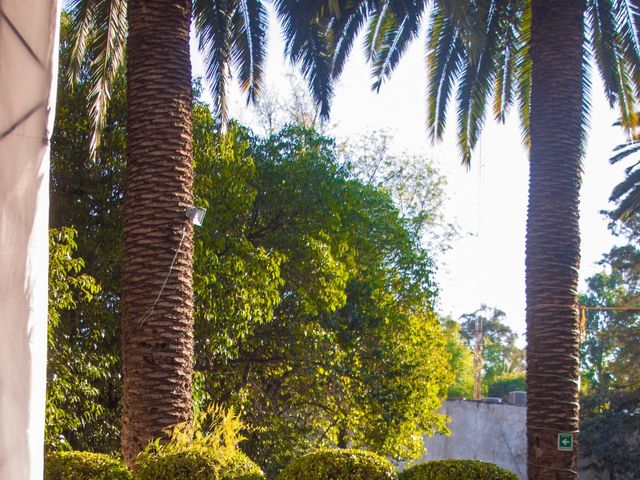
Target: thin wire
(624, 308)
(549, 467)
(149, 312)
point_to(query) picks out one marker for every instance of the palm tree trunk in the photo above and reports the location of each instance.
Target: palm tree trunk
(553, 237)
(157, 330)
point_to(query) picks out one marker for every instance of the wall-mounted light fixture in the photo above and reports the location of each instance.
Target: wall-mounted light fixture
(196, 215)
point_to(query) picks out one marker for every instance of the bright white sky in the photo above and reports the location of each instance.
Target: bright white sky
(488, 202)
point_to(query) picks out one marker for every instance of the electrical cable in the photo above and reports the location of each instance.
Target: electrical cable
(549, 467)
(149, 312)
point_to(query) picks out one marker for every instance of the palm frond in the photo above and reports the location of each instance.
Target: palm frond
(306, 29)
(98, 45)
(602, 32)
(213, 28)
(444, 54)
(402, 26)
(523, 74)
(627, 195)
(624, 150)
(82, 25)
(476, 84)
(109, 45)
(506, 58)
(463, 16)
(628, 28)
(344, 30)
(381, 20)
(249, 30)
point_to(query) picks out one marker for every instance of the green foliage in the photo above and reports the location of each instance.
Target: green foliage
(610, 351)
(609, 433)
(461, 361)
(508, 382)
(74, 367)
(500, 354)
(413, 181)
(343, 464)
(456, 470)
(84, 466)
(84, 367)
(352, 322)
(204, 450)
(609, 354)
(309, 284)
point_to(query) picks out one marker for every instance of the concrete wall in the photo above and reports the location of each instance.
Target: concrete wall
(493, 433)
(482, 431)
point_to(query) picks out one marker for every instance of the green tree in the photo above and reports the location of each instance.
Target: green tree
(500, 354)
(352, 352)
(536, 52)
(413, 181)
(87, 195)
(76, 365)
(610, 420)
(461, 361)
(610, 350)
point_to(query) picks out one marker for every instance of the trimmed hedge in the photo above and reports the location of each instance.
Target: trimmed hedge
(196, 464)
(84, 466)
(456, 470)
(344, 464)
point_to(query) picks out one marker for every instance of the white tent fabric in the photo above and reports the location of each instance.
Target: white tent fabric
(28, 71)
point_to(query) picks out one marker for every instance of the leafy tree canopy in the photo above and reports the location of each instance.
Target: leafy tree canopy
(610, 354)
(500, 354)
(352, 351)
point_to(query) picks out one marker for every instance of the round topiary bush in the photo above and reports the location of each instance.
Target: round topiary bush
(196, 464)
(339, 465)
(84, 466)
(456, 470)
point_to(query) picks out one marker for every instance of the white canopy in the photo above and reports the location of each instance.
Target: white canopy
(28, 71)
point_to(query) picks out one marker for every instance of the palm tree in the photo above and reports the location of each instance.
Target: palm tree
(156, 326)
(627, 193)
(533, 53)
(157, 302)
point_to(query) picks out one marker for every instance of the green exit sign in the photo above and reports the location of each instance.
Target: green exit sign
(565, 442)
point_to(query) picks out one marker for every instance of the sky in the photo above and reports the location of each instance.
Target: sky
(488, 202)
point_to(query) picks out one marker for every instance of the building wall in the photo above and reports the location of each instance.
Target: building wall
(493, 433)
(482, 431)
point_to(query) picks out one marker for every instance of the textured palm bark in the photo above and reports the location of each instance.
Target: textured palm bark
(553, 237)
(157, 340)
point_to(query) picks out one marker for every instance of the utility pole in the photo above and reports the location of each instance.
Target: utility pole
(477, 360)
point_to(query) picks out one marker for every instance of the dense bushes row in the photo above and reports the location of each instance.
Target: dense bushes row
(192, 464)
(196, 464)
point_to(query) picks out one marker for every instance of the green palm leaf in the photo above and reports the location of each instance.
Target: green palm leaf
(248, 38)
(395, 28)
(444, 57)
(344, 30)
(100, 31)
(306, 26)
(213, 26)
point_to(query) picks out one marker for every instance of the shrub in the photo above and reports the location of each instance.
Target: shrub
(84, 466)
(197, 464)
(507, 383)
(206, 450)
(456, 470)
(339, 465)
